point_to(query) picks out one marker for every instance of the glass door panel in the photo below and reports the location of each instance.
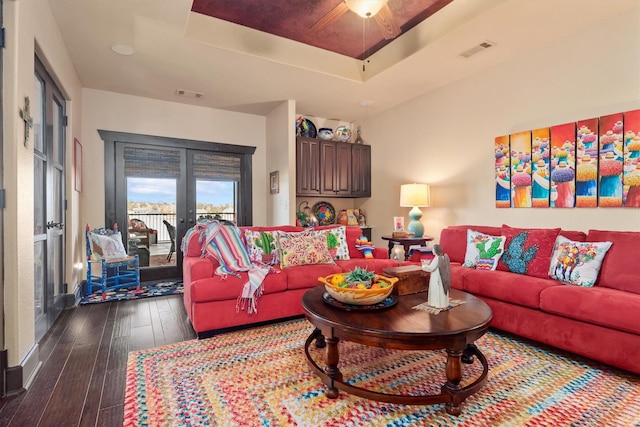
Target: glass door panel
(151, 212)
(216, 200)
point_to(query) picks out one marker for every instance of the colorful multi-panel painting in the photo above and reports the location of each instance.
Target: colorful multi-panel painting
(540, 168)
(631, 170)
(563, 165)
(520, 169)
(591, 163)
(503, 173)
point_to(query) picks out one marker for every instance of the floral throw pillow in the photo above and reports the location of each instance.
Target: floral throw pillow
(106, 246)
(528, 250)
(336, 242)
(577, 263)
(262, 246)
(304, 248)
(483, 251)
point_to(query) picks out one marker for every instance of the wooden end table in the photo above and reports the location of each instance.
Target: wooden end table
(401, 328)
(406, 242)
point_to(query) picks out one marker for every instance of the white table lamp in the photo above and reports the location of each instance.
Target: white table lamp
(415, 196)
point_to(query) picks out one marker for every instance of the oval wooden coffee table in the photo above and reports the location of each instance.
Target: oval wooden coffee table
(401, 328)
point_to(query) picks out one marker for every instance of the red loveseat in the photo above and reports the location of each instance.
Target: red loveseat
(599, 322)
(211, 301)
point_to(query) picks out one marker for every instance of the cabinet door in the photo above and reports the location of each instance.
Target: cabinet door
(343, 169)
(307, 167)
(361, 170)
(335, 168)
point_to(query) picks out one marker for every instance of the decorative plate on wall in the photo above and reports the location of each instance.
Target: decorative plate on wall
(325, 213)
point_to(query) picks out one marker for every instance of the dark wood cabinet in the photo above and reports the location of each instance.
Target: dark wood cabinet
(361, 170)
(335, 168)
(330, 168)
(307, 166)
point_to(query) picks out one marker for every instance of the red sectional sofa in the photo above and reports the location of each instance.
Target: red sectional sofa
(211, 301)
(599, 322)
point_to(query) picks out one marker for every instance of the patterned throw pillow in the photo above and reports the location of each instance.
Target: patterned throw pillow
(336, 242)
(483, 251)
(262, 246)
(106, 246)
(528, 251)
(577, 263)
(304, 248)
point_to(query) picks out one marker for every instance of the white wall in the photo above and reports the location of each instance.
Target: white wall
(125, 113)
(446, 137)
(281, 157)
(30, 28)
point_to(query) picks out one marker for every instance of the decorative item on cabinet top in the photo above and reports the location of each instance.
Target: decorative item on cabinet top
(325, 134)
(343, 133)
(358, 139)
(306, 128)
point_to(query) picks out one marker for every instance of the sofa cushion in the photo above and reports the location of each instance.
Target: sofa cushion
(576, 236)
(483, 251)
(261, 246)
(336, 240)
(528, 250)
(306, 276)
(508, 287)
(216, 288)
(304, 248)
(577, 263)
(453, 239)
(601, 306)
(371, 264)
(352, 232)
(620, 268)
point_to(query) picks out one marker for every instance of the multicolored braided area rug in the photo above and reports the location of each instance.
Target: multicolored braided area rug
(259, 377)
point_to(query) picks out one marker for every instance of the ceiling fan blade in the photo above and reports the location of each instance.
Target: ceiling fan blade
(331, 16)
(387, 23)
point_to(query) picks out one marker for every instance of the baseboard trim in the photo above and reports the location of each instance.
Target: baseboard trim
(20, 377)
(4, 364)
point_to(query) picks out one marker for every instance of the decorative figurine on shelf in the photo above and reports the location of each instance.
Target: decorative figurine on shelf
(362, 219)
(304, 216)
(358, 137)
(440, 280)
(365, 246)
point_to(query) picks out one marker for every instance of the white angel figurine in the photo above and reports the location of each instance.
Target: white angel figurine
(440, 280)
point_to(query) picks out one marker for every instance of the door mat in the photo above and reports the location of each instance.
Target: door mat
(148, 289)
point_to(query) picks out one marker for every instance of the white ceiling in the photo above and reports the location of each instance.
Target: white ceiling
(244, 70)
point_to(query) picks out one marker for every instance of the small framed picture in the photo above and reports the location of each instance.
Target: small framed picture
(398, 223)
(274, 182)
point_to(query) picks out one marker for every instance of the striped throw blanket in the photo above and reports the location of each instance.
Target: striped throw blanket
(223, 242)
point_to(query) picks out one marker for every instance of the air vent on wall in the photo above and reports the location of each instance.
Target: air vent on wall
(478, 48)
(189, 93)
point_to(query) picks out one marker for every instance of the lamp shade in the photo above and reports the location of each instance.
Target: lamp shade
(365, 8)
(414, 195)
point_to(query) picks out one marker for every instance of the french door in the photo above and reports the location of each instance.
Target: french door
(163, 186)
(48, 108)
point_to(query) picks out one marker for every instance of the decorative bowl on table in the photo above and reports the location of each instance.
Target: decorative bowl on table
(381, 288)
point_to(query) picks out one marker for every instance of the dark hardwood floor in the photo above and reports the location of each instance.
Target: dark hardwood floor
(84, 361)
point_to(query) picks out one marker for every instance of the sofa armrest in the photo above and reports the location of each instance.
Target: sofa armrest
(196, 268)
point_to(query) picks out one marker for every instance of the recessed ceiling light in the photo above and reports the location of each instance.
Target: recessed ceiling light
(122, 49)
(366, 103)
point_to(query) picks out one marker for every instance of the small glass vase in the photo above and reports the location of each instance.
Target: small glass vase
(397, 252)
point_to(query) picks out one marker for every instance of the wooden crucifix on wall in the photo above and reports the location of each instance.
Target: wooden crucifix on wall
(25, 113)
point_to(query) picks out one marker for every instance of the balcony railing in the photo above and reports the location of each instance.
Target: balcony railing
(154, 221)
